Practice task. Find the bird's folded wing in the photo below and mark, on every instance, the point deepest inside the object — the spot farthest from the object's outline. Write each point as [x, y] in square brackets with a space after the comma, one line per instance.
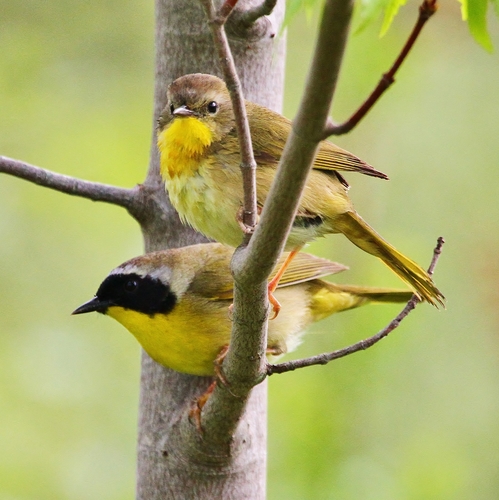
[330, 157]
[304, 267]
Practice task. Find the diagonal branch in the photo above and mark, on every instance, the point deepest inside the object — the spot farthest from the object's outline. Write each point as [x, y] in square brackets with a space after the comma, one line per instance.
[146, 203]
[323, 359]
[426, 10]
[65, 184]
[245, 364]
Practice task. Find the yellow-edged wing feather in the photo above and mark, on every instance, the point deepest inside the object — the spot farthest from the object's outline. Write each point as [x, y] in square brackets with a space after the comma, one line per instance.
[268, 148]
[306, 267]
[213, 284]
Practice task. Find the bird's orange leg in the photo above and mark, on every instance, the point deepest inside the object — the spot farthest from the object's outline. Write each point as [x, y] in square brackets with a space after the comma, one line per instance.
[276, 307]
[197, 407]
[218, 365]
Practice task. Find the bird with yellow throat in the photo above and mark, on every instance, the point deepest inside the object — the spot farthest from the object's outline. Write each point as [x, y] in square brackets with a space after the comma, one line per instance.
[199, 162]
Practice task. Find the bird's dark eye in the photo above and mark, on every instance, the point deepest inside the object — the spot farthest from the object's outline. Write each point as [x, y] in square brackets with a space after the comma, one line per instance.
[130, 286]
[212, 107]
[172, 108]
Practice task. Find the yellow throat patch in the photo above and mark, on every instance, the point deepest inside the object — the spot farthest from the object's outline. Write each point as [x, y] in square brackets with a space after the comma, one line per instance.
[181, 145]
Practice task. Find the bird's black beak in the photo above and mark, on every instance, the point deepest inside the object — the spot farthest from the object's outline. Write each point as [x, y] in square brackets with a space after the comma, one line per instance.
[183, 111]
[92, 305]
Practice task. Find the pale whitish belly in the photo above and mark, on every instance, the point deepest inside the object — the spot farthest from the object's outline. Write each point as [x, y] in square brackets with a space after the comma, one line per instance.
[210, 209]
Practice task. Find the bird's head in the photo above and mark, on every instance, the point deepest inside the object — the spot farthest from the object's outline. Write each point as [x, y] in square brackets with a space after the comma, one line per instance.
[199, 98]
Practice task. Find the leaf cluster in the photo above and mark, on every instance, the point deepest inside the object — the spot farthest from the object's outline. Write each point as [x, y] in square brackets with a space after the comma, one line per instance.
[474, 12]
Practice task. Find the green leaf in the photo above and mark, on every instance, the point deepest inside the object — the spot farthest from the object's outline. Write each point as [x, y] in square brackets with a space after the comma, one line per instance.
[367, 11]
[475, 12]
[391, 10]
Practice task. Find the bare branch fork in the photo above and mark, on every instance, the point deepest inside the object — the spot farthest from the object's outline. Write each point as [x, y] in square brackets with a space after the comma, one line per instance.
[426, 10]
[323, 359]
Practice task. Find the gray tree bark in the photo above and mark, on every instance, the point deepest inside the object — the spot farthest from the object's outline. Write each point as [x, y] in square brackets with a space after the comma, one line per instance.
[166, 468]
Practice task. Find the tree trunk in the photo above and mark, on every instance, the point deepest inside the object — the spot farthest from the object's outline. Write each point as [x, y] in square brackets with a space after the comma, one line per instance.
[184, 45]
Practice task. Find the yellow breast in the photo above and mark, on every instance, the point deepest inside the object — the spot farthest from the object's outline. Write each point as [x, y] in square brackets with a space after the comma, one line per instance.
[182, 145]
[190, 337]
[186, 340]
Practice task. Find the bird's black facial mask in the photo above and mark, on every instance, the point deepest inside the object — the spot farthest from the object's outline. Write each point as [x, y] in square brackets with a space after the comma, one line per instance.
[139, 293]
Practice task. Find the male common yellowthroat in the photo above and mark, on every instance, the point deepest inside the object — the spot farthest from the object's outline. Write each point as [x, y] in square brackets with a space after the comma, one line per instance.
[200, 166]
[175, 302]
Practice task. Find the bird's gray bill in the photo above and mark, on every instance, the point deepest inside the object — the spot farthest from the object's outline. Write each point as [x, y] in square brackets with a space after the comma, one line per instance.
[183, 111]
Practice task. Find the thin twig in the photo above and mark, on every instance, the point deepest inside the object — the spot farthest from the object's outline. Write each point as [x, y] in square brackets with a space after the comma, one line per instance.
[248, 163]
[325, 358]
[426, 10]
[65, 184]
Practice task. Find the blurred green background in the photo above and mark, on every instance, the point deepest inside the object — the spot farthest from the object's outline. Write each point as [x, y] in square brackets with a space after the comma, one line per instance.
[416, 417]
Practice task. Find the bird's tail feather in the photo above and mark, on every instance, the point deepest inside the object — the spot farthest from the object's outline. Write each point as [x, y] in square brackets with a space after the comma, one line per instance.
[364, 236]
[372, 294]
[329, 298]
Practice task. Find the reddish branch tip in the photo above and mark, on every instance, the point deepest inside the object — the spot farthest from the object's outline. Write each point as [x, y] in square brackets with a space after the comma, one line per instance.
[436, 254]
[428, 8]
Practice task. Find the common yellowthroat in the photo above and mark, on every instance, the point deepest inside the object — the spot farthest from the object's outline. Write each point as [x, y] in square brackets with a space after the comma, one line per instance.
[200, 160]
[175, 302]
